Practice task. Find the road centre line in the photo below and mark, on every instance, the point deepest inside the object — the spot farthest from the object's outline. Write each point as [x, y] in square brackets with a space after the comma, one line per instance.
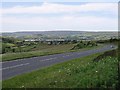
[25, 64]
[48, 59]
[15, 66]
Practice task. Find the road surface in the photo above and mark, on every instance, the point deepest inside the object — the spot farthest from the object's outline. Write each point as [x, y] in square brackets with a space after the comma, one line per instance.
[17, 67]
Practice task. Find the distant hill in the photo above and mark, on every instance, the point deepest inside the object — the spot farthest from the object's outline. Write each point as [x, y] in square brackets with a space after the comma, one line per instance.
[63, 34]
[52, 33]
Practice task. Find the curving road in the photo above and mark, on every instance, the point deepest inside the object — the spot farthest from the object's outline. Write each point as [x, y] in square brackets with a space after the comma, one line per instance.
[17, 67]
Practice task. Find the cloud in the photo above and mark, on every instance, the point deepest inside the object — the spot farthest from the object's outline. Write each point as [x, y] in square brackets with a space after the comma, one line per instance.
[65, 22]
[46, 8]
[72, 18]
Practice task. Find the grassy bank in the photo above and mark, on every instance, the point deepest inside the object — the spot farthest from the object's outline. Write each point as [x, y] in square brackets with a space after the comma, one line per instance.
[77, 73]
[40, 50]
[43, 51]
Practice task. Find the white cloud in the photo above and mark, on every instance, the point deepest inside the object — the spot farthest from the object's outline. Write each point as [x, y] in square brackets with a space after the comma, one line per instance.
[61, 8]
[67, 21]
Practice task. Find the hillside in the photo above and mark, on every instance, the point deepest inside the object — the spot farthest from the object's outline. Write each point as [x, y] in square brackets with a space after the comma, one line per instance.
[63, 34]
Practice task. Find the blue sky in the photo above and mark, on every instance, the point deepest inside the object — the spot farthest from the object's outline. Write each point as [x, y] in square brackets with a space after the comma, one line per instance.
[51, 15]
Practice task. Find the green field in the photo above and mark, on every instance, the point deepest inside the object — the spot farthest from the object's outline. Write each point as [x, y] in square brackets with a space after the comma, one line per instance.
[77, 73]
[42, 50]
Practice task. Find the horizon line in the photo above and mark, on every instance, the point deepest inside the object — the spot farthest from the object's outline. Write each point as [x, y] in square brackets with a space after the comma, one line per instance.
[58, 31]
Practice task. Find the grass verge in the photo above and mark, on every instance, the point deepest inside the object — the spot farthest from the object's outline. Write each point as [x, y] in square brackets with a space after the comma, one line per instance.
[53, 50]
[77, 73]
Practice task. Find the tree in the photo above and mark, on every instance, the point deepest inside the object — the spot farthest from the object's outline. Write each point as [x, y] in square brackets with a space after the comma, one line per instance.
[74, 41]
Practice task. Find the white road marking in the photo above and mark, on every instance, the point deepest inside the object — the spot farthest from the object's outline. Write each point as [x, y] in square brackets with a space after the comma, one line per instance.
[48, 59]
[26, 64]
[68, 54]
[15, 66]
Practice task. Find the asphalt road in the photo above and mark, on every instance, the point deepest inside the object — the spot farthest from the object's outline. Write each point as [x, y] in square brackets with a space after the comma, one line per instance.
[17, 67]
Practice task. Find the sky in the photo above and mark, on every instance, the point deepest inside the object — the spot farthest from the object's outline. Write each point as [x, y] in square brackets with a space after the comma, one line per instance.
[62, 16]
